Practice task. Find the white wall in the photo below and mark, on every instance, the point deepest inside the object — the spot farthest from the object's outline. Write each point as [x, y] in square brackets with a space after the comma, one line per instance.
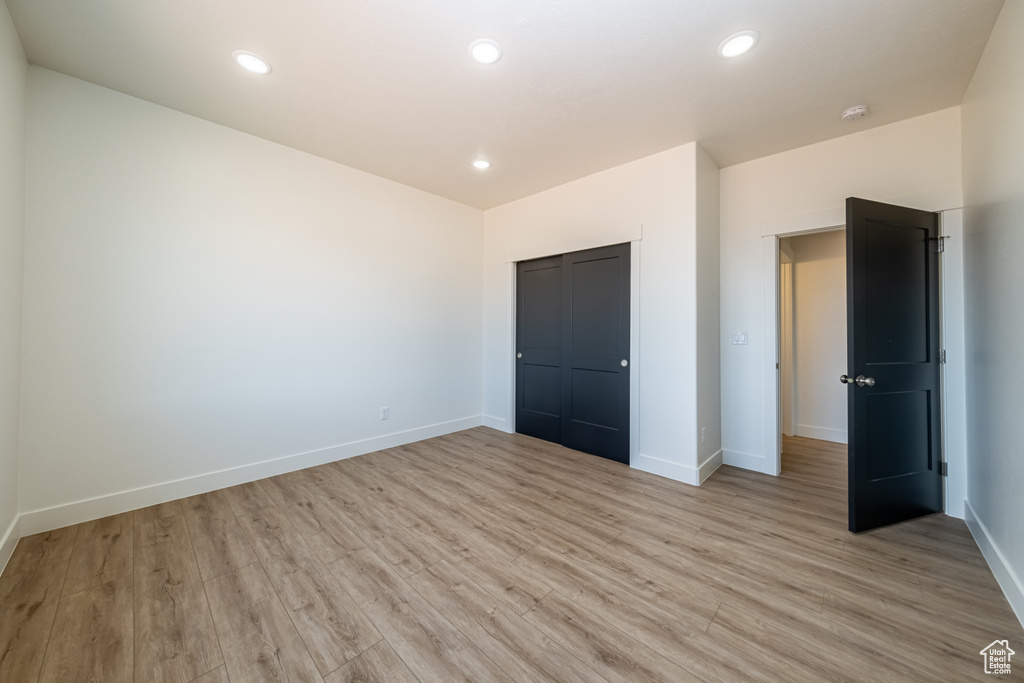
[819, 335]
[13, 67]
[914, 162]
[708, 291]
[199, 300]
[660, 193]
[993, 138]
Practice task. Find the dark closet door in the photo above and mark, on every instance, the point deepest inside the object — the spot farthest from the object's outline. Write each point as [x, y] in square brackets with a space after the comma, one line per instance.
[572, 362]
[539, 348]
[595, 344]
[893, 349]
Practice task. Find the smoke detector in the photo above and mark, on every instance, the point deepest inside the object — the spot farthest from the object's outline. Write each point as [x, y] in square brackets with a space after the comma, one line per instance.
[854, 113]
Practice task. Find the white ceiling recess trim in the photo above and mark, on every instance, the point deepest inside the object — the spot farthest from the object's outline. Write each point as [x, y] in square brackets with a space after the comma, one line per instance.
[589, 240]
[47, 519]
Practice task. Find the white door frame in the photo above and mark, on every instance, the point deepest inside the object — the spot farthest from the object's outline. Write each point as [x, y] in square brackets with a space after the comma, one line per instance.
[787, 369]
[954, 391]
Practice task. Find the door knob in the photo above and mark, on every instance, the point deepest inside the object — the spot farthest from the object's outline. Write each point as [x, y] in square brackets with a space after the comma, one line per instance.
[623, 362]
[863, 381]
[843, 379]
[519, 355]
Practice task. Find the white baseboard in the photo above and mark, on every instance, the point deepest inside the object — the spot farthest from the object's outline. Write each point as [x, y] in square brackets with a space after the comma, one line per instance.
[673, 470]
[1008, 580]
[821, 433]
[708, 467]
[8, 541]
[953, 510]
[499, 423]
[664, 468]
[746, 461]
[46, 519]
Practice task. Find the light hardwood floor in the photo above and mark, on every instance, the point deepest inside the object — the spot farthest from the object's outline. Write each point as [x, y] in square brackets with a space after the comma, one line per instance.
[482, 556]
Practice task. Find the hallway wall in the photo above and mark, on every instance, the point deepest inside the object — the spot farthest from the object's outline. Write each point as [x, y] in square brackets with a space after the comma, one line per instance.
[819, 335]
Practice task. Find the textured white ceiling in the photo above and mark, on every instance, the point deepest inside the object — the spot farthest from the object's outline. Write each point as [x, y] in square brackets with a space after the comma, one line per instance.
[387, 86]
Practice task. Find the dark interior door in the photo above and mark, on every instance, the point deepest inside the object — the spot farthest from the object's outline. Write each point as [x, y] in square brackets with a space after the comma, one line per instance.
[893, 361]
[572, 352]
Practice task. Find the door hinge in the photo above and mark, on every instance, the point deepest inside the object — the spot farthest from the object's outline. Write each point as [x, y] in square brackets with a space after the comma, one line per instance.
[942, 355]
[940, 243]
[942, 468]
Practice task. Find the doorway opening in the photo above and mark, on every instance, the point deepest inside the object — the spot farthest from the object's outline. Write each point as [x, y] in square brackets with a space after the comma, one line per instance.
[895, 357]
[951, 314]
[812, 354]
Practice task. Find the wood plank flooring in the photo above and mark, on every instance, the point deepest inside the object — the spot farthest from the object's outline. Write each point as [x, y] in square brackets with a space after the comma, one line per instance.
[483, 556]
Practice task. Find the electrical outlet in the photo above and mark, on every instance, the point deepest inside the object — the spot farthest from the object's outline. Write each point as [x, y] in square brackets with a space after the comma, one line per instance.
[384, 412]
[703, 433]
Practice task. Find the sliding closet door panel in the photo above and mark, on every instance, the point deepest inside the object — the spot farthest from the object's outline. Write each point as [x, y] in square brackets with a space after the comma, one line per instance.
[595, 365]
[539, 348]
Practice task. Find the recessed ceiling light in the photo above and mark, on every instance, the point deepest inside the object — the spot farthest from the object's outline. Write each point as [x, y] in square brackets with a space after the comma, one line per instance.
[737, 44]
[485, 51]
[251, 62]
[481, 164]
